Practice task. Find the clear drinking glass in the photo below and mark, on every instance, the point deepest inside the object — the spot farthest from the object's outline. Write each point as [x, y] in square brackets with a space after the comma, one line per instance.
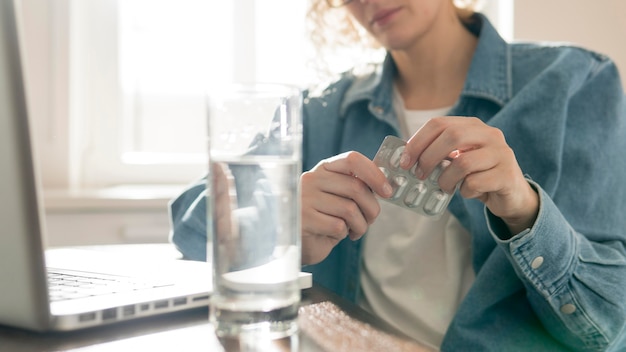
[253, 206]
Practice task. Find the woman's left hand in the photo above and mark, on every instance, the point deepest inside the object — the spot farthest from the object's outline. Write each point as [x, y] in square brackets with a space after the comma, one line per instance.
[481, 162]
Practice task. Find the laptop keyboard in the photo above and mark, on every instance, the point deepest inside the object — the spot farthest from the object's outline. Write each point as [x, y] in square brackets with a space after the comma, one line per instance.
[64, 285]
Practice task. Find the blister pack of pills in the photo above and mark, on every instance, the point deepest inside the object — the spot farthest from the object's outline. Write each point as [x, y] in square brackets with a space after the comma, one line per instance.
[422, 196]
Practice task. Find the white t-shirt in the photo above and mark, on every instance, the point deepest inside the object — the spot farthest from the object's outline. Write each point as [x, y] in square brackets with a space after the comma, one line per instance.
[415, 270]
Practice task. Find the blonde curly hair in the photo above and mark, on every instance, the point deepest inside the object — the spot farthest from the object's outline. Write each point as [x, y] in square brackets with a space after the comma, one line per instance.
[331, 30]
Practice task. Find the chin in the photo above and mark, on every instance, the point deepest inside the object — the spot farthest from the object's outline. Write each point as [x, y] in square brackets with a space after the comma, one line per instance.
[395, 42]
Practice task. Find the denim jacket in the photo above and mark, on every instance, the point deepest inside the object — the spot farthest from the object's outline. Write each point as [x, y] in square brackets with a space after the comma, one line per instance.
[560, 285]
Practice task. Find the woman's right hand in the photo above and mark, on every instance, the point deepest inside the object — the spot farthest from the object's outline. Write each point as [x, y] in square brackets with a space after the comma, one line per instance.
[338, 201]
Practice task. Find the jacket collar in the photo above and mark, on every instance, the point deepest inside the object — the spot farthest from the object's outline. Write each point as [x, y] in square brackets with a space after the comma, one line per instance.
[489, 75]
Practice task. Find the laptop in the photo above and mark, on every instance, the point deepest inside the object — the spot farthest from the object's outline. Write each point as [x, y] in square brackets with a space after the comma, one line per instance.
[42, 289]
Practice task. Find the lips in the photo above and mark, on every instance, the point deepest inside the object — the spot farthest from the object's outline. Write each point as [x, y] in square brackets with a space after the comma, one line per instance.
[382, 17]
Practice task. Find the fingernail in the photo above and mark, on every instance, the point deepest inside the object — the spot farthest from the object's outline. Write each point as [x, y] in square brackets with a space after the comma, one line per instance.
[419, 173]
[404, 160]
[387, 190]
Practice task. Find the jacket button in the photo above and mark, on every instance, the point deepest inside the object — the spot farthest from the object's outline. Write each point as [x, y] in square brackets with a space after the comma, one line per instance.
[568, 308]
[536, 263]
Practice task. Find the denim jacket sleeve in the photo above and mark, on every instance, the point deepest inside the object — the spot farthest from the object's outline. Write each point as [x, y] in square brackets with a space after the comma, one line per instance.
[188, 221]
[189, 218]
[572, 261]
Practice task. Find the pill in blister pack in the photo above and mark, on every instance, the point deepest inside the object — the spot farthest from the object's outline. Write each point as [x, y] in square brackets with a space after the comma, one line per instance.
[422, 196]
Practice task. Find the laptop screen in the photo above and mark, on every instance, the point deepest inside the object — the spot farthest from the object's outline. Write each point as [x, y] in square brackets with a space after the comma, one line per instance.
[22, 276]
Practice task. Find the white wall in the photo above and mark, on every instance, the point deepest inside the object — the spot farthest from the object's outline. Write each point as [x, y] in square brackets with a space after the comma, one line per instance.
[598, 25]
[45, 48]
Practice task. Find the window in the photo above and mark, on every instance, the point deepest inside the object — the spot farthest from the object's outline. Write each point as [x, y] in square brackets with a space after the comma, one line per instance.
[140, 69]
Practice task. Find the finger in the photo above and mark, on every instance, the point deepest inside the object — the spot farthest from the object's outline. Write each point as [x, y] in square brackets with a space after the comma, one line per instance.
[416, 145]
[358, 165]
[316, 247]
[499, 181]
[222, 212]
[347, 187]
[464, 164]
[320, 224]
[346, 209]
[357, 192]
[459, 135]
[353, 213]
[479, 185]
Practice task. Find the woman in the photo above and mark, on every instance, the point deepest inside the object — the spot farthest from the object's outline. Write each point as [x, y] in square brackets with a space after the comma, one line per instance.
[531, 252]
